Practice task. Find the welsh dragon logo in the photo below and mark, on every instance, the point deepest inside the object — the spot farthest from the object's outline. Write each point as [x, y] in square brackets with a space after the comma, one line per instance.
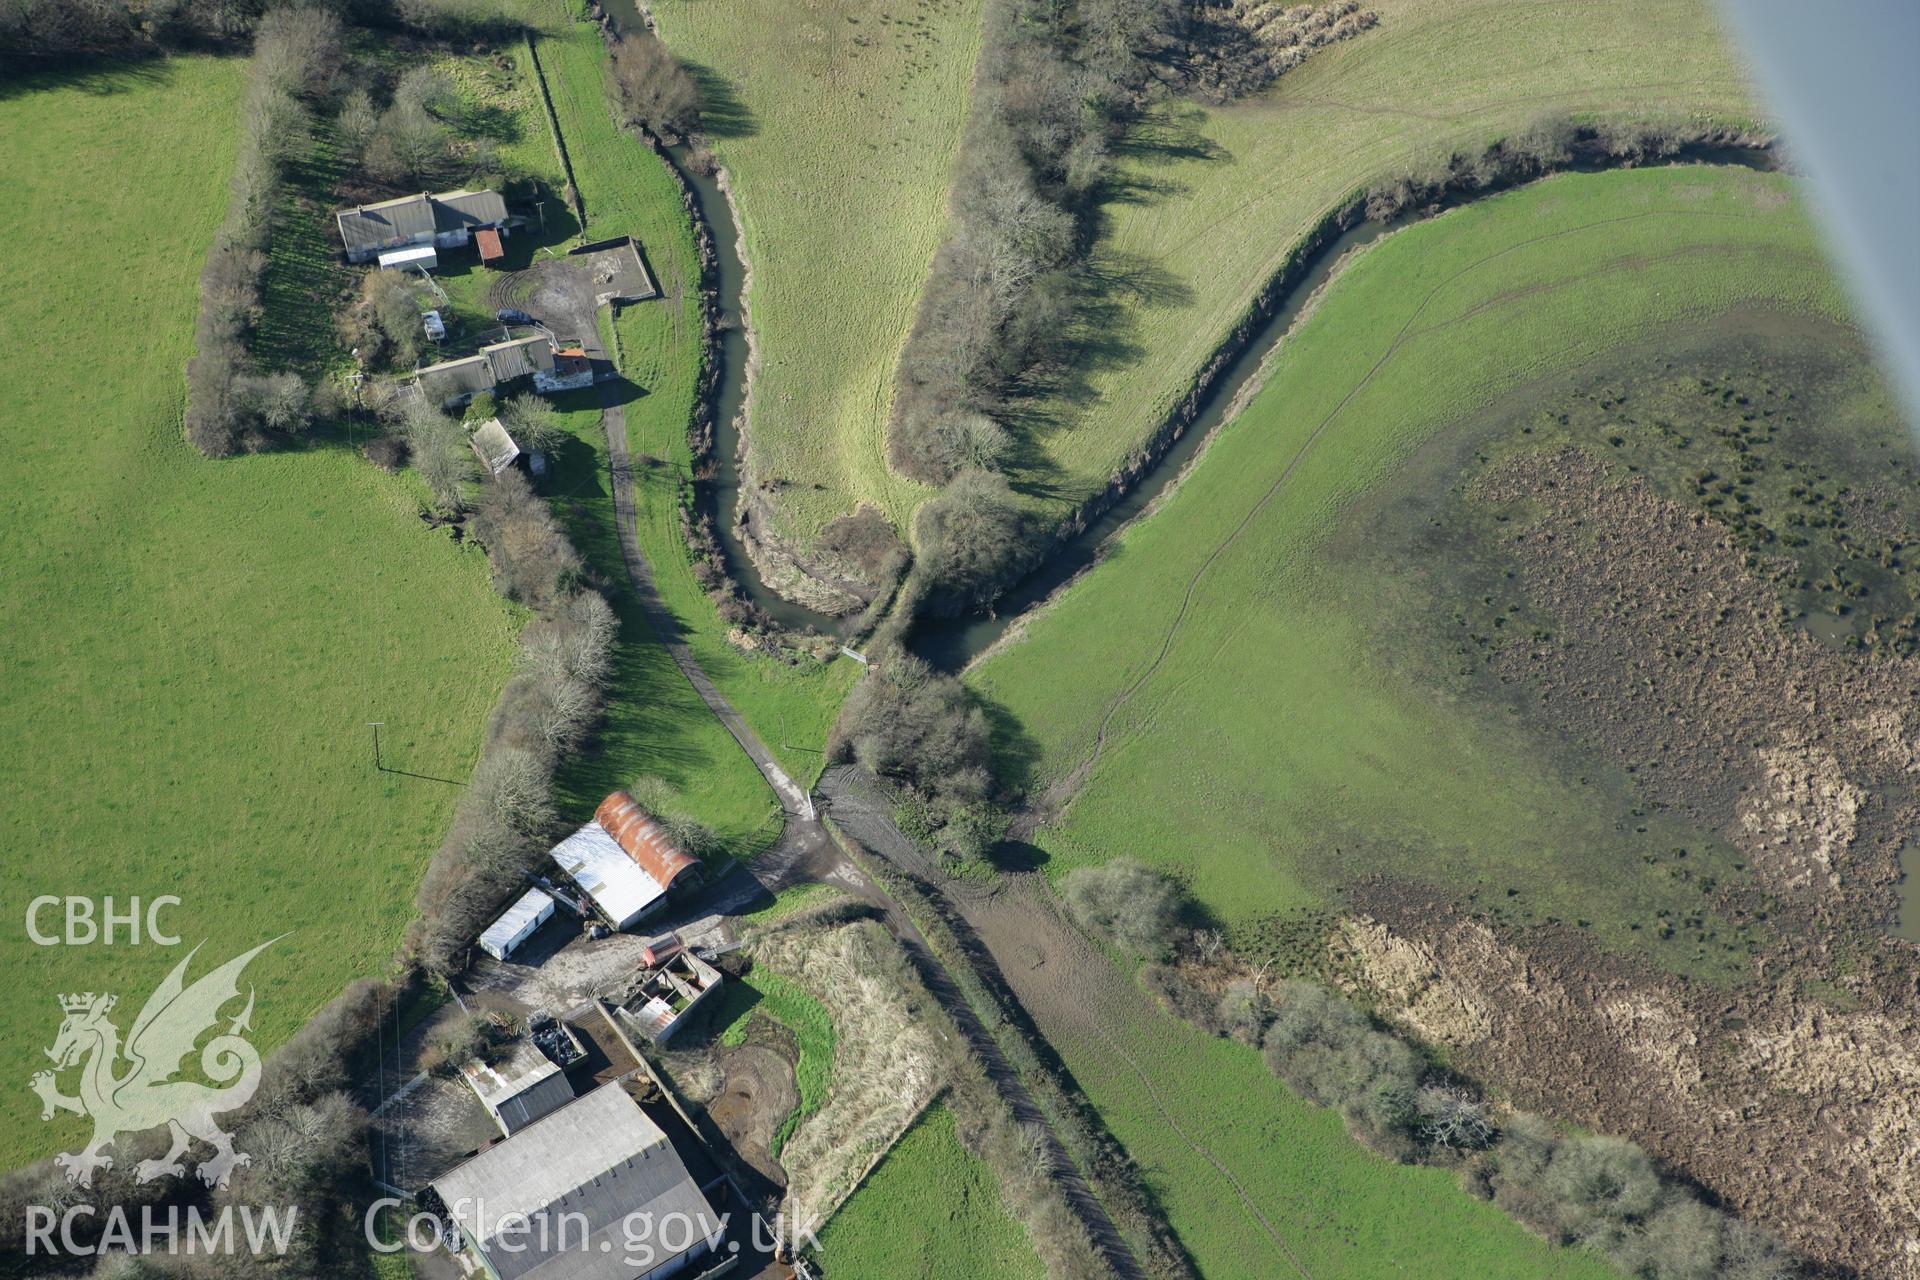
[130, 1088]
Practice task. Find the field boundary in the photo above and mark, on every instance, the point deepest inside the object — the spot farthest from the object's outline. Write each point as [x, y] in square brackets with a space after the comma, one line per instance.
[573, 195]
[1016, 1040]
[1720, 144]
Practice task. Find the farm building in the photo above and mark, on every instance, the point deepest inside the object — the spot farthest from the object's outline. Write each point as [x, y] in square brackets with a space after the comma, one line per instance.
[521, 1089]
[487, 241]
[587, 1173]
[647, 843]
[497, 451]
[504, 936]
[454, 382]
[626, 861]
[618, 887]
[419, 258]
[447, 220]
[671, 994]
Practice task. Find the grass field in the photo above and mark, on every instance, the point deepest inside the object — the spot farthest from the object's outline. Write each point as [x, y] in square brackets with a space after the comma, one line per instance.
[193, 648]
[769, 995]
[1217, 199]
[838, 126]
[1198, 1103]
[626, 188]
[929, 1211]
[655, 726]
[1227, 687]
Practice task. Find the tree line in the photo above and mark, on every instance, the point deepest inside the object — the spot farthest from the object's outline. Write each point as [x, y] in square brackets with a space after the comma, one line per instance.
[67, 33]
[1587, 1190]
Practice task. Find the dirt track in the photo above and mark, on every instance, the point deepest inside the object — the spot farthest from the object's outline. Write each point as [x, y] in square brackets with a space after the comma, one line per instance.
[1068, 988]
[805, 850]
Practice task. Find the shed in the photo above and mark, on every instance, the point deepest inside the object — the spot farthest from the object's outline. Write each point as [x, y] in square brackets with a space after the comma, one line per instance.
[420, 257]
[672, 993]
[487, 240]
[647, 842]
[613, 880]
[496, 448]
[519, 1090]
[504, 936]
[562, 1198]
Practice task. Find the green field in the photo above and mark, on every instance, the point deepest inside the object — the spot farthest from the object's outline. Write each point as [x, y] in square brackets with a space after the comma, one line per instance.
[656, 726]
[1184, 1105]
[928, 1211]
[1262, 739]
[627, 189]
[192, 649]
[838, 126]
[1220, 197]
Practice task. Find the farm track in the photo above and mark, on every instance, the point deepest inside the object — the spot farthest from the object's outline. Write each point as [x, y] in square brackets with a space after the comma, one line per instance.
[805, 850]
[1058, 978]
[1058, 796]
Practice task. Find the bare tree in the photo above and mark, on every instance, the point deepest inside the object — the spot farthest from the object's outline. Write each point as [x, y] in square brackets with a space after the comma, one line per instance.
[654, 89]
[354, 124]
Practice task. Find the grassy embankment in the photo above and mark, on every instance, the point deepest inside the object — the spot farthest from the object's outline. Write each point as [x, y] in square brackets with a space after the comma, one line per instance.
[1258, 747]
[627, 189]
[1344, 765]
[194, 648]
[838, 129]
[929, 1211]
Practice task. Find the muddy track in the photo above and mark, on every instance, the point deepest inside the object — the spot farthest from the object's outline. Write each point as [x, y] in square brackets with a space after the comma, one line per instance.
[1020, 943]
[1062, 792]
[806, 850]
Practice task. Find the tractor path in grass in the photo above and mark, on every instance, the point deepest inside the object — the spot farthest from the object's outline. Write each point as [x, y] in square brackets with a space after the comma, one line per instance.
[805, 850]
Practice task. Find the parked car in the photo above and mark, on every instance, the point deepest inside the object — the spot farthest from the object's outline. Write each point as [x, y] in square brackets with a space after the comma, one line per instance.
[512, 316]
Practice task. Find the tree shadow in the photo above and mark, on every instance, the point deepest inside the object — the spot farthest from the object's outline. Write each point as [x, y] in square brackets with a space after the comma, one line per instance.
[99, 79]
[1170, 134]
[1112, 291]
[488, 121]
[722, 112]
[1016, 753]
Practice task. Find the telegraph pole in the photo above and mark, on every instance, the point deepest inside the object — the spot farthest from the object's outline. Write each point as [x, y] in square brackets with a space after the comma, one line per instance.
[375, 726]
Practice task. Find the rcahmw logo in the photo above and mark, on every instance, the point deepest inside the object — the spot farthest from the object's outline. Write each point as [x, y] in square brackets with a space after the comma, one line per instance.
[128, 1087]
[157, 1229]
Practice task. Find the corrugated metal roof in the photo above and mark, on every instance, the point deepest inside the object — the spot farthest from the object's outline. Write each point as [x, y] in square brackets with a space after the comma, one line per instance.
[645, 840]
[521, 1089]
[519, 357]
[468, 376]
[531, 908]
[489, 242]
[610, 877]
[497, 451]
[412, 256]
[600, 1158]
[370, 226]
[456, 209]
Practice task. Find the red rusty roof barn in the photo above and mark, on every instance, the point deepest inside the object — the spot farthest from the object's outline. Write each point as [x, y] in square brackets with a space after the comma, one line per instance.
[488, 241]
[646, 841]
